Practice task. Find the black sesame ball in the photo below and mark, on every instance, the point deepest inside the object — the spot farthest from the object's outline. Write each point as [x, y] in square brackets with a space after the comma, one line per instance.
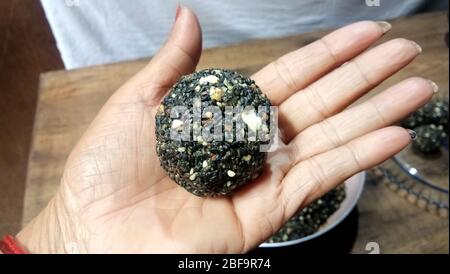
[439, 115]
[435, 113]
[414, 120]
[212, 167]
[429, 138]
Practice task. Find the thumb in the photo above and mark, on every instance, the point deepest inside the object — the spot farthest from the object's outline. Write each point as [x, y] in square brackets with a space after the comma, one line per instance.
[178, 56]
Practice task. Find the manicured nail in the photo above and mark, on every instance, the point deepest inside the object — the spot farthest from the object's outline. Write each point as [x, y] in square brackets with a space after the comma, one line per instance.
[177, 13]
[434, 86]
[419, 48]
[412, 134]
[385, 26]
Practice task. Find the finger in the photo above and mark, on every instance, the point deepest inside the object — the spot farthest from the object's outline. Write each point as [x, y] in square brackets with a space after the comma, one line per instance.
[177, 57]
[377, 112]
[297, 69]
[312, 178]
[343, 86]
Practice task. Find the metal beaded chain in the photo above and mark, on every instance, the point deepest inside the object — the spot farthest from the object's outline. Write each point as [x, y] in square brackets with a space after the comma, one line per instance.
[423, 196]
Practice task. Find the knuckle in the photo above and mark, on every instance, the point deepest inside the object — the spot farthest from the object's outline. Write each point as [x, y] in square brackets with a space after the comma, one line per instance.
[354, 153]
[285, 73]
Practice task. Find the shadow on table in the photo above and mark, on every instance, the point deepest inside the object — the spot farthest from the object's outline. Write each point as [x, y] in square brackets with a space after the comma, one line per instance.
[338, 240]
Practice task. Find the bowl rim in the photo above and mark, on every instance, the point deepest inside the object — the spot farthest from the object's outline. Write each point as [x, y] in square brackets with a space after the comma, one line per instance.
[361, 178]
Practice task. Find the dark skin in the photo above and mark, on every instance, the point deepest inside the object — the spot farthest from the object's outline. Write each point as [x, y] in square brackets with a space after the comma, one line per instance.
[115, 198]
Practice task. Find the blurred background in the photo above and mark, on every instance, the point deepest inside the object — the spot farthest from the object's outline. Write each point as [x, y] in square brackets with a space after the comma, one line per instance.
[48, 35]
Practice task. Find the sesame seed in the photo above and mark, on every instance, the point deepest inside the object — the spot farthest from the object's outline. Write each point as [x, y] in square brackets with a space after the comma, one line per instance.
[208, 79]
[247, 158]
[193, 176]
[176, 124]
[231, 173]
[251, 119]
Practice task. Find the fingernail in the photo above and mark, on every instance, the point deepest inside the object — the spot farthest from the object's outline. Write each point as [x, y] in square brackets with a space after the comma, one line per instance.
[412, 134]
[177, 13]
[385, 26]
[434, 86]
[419, 48]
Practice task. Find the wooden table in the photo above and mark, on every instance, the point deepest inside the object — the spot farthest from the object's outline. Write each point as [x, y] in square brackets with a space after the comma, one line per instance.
[68, 101]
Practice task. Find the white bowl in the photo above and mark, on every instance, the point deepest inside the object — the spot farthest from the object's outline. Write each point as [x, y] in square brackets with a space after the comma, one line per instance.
[353, 189]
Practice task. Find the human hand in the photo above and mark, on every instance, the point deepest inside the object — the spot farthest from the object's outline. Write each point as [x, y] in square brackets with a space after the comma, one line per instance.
[115, 198]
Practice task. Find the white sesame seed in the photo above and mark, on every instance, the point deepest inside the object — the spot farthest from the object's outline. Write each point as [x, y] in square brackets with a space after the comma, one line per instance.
[176, 124]
[251, 119]
[193, 176]
[231, 173]
[208, 79]
[247, 158]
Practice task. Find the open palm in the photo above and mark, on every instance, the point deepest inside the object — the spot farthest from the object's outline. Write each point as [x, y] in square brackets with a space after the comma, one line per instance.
[115, 197]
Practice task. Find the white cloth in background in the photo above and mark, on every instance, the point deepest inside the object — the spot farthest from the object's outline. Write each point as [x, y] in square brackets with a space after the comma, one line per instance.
[103, 31]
